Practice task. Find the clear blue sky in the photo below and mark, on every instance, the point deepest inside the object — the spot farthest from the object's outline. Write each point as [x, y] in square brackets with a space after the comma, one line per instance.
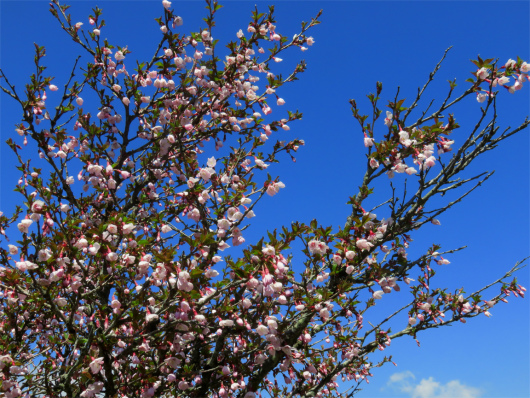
[357, 44]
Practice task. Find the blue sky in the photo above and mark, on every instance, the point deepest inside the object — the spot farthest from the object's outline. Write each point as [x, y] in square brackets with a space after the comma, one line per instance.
[357, 44]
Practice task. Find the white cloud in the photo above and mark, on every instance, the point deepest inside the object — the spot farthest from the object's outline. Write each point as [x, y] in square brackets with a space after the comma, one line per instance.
[397, 377]
[430, 388]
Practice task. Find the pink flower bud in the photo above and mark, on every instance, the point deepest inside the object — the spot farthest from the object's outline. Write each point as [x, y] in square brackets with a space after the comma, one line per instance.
[368, 141]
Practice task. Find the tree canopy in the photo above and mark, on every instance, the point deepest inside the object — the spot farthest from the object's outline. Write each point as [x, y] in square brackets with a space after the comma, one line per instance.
[127, 270]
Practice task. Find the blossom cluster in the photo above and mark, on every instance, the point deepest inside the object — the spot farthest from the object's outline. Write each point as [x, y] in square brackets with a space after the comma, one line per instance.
[122, 282]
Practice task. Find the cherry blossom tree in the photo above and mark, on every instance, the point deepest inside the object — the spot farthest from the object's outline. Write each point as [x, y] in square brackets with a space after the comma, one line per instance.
[121, 282]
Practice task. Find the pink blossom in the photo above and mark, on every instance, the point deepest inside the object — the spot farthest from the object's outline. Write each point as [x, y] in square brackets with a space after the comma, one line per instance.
[252, 283]
[119, 56]
[37, 206]
[429, 162]
[178, 21]
[182, 384]
[317, 247]
[268, 250]
[516, 87]
[226, 323]
[200, 318]
[350, 254]
[363, 244]
[151, 317]
[503, 80]
[22, 265]
[96, 364]
[410, 170]
[482, 73]
[211, 273]
[128, 228]
[378, 294]
[183, 281]
[324, 314]
[246, 303]
[61, 301]
[368, 141]
[56, 275]
[112, 257]
[404, 138]
[13, 249]
[388, 118]
[195, 215]
[115, 304]
[266, 110]
[400, 167]
[481, 97]
[223, 246]
[173, 362]
[262, 329]
[24, 225]
[53, 87]
[211, 162]
[274, 188]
